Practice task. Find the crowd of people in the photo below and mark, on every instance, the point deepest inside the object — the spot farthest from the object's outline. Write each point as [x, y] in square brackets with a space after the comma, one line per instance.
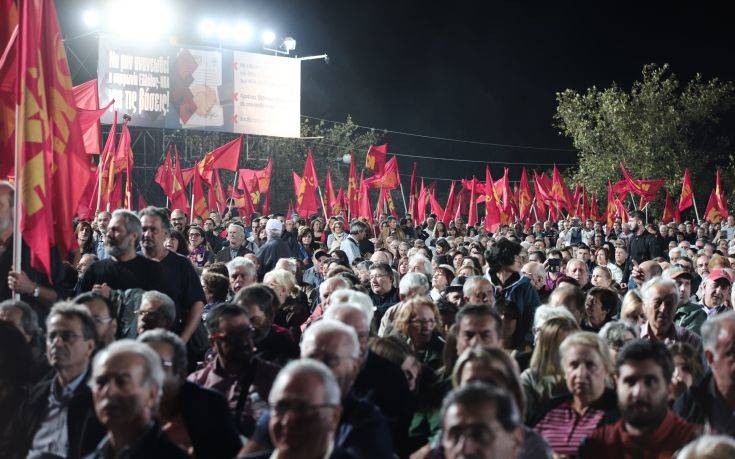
[282, 337]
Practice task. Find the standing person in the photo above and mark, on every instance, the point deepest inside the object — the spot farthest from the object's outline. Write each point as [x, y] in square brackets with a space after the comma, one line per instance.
[643, 244]
[127, 380]
[181, 281]
[124, 269]
[237, 248]
[273, 250]
[351, 244]
[647, 428]
[337, 235]
[102, 220]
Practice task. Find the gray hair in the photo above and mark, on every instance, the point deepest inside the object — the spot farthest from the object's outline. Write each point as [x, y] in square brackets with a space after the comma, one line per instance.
[152, 211]
[655, 283]
[428, 269]
[546, 311]
[711, 328]
[167, 304]
[472, 283]
[153, 371]
[341, 282]
[617, 333]
[242, 262]
[28, 317]
[353, 298]
[332, 326]
[413, 283]
[334, 311]
[677, 250]
[160, 335]
[289, 264]
[476, 394]
[358, 227]
[709, 447]
[332, 394]
[132, 222]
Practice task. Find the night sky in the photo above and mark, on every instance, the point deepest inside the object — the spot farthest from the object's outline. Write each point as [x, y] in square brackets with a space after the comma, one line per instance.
[485, 71]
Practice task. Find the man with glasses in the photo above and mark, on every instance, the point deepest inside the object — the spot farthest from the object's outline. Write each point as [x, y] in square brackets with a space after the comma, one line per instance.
[362, 431]
[57, 419]
[382, 291]
[102, 312]
[235, 372]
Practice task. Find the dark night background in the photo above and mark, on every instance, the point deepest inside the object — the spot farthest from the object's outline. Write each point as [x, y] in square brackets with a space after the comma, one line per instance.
[485, 71]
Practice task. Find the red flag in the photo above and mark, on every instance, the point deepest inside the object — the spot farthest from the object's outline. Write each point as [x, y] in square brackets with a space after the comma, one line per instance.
[542, 197]
[216, 194]
[671, 213]
[472, 217]
[53, 170]
[332, 204]
[310, 171]
[165, 174]
[720, 196]
[265, 210]
[87, 101]
[492, 212]
[712, 213]
[646, 189]
[222, 157]
[353, 198]
[524, 196]
[244, 203]
[258, 181]
[8, 84]
[365, 210]
[594, 212]
[412, 197]
[686, 199]
[389, 179]
[451, 205]
[124, 159]
[375, 158]
[559, 191]
[458, 213]
[106, 171]
[306, 202]
[421, 204]
[339, 205]
[389, 203]
[611, 208]
[199, 203]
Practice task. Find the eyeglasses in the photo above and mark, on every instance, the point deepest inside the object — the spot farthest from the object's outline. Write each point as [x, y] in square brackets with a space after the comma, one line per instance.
[377, 276]
[297, 407]
[66, 336]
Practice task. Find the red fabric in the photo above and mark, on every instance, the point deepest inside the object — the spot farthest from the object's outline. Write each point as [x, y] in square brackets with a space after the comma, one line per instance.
[645, 188]
[333, 207]
[353, 198]
[222, 157]
[671, 213]
[686, 199]
[542, 197]
[101, 194]
[421, 204]
[594, 212]
[450, 207]
[713, 213]
[492, 212]
[258, 181]
[365, 209]
[375, 158]
[524, 196]
[472, 213]
[412, 196]
[244, 203]
[310, 171]
[8, 84]
[720, 196]
[611, 209]
[124, 160]
[53, 170]
[389, 179]
[88, 104]
[199, 202]
[216, 193]
[436, 208]
[612, 441]
[306, 201]
[559, 191]
[165, 174]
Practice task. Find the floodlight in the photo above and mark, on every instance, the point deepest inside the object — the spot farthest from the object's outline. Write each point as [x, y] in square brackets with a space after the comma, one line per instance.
[243, 32]
[91, 18]
[207, 28]
[347, 158]
[224, 32]
[289, 44]
[125, 19]
[268, 37]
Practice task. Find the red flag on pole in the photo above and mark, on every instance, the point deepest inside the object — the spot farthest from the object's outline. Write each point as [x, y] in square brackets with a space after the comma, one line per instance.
[720, 196]
[646, 189]
[451, 205]
[353, 198]
[524, 196]
[216, 194]
[199, 202]
[87, 101]
[686, 199]
[124, 159]
[611, 208]
[594, 212]
[106, 171]
[310, 171]
[712, 213]
[8, 84]
[332, 204]
[165, 174]
[365, 209]
[375, 158]
[412, 197]
[222, 157]
[671, 213]
[389, 179]
[560, 192]
[52, 169]
[436, 208]
[492, 212]
[472, 214]
[421, 204]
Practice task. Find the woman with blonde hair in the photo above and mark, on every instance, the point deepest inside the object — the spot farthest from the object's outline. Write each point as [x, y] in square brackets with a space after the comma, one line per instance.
[418, 322]
[544, 378]
[566, 421]
[631, 311]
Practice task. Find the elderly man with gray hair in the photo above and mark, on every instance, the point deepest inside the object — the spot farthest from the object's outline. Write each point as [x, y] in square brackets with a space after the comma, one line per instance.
[243, 273]
[711, 401]
[660, 298]
[413, 284]
[351, 244]
[274, 249]
[127, 382]
[124, 269]
[157, 310]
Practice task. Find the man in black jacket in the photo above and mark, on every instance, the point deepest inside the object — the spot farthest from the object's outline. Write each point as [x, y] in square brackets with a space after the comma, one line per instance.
[127, 380]
[58, 418]
[203, 414]
[643, 244]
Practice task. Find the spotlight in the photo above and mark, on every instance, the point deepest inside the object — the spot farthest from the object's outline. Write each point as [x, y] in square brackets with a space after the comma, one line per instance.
[91, 18]
[243, 32]
[224, 32]
[289, 44]
[268, 37]
[347, 158]
[207, 28]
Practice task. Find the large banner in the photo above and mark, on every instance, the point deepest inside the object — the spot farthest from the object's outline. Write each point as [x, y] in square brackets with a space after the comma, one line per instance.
[199, 88]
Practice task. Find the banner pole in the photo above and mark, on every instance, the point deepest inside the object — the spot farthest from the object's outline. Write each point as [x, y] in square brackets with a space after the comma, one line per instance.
[403, 196]
[17, 237]
[696, 212]
[324, 208]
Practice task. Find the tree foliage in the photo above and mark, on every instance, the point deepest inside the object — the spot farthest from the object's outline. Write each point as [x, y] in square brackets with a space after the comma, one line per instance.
[658, 129]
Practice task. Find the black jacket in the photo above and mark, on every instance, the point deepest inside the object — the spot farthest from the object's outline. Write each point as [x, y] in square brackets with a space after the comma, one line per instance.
[644, 247]
[702, 404]
[83, 428]
[382, 303]
[153, 444]
[224, 255]
[209, 423]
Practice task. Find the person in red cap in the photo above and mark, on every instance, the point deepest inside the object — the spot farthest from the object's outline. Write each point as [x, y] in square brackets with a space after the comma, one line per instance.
[716, 292]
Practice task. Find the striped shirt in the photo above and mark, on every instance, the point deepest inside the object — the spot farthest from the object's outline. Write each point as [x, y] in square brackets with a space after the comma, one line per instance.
[565, 429]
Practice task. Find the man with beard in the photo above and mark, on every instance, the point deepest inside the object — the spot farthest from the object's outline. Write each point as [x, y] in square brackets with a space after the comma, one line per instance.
[643, 244]
[181, 282]
[273, 342]
[235, 372]
[196, 419]
[127, 380]
[648, 428]
[57, 418]
[660, 297]
[178, 221]
[711, 401]
[124, 269]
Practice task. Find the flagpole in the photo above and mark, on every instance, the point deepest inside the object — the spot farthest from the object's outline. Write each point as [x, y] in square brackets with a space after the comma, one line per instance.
[324, 208]
[403, 196]
[17, 237]
[533, 206]
[696, 212]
